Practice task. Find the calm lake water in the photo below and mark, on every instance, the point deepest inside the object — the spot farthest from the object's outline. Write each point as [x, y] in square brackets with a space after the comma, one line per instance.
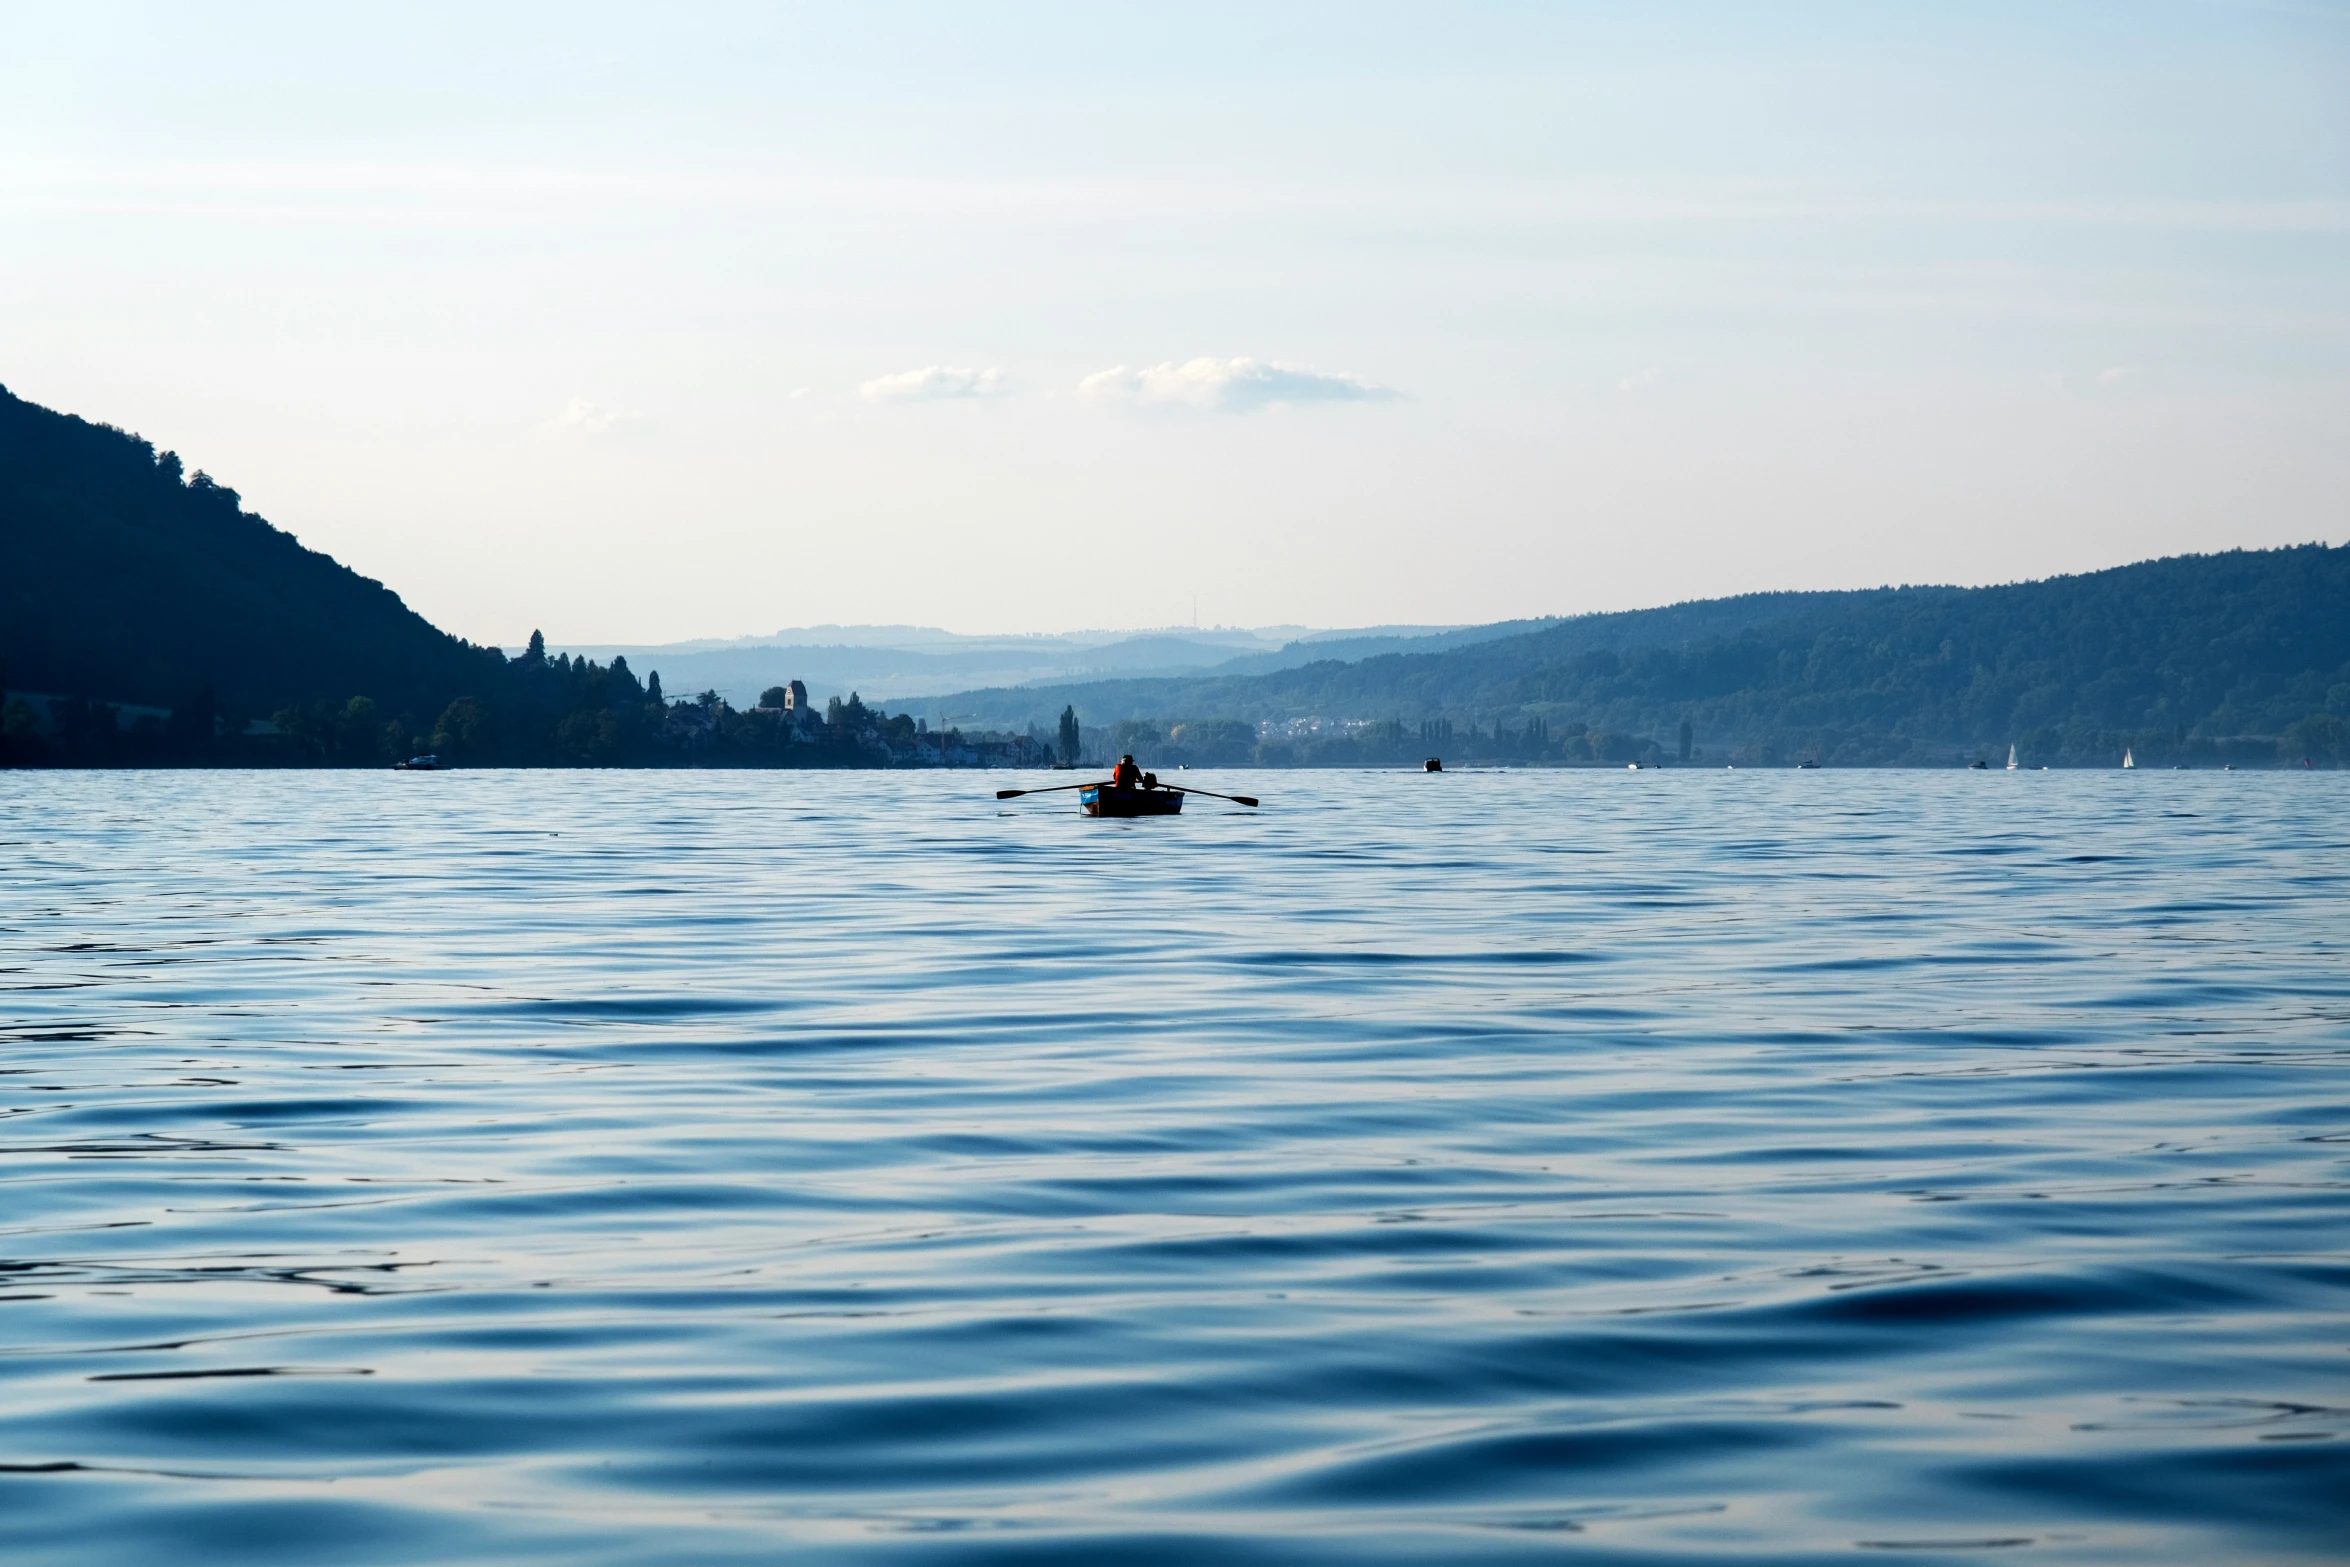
[1591, 1166]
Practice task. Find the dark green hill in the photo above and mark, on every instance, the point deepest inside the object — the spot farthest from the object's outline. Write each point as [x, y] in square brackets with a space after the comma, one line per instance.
[155, 618]
[2244, 655]
[122, 582]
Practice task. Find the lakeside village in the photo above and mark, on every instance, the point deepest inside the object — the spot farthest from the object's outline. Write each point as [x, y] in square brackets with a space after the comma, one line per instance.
[783, 729]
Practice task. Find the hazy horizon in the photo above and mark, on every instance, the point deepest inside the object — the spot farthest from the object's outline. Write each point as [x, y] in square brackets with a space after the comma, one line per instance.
[642, 329]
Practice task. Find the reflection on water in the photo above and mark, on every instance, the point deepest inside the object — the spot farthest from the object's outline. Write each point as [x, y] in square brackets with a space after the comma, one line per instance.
[659, 1168]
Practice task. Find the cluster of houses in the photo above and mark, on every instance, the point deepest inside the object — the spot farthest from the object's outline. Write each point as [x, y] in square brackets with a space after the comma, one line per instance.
[871, 736]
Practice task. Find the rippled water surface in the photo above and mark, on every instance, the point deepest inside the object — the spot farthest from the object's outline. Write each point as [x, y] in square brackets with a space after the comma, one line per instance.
[1644, 1167]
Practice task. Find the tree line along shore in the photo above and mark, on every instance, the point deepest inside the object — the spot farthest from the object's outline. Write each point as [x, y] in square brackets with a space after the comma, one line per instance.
[537, 712]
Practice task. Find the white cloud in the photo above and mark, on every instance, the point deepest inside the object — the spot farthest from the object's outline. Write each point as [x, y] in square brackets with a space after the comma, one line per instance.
[932, 383]
[1227, 384]
[590, 421]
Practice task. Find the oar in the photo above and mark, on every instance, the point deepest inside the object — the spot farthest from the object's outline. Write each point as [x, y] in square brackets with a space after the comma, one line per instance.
[1236, 799]
[1014, 794]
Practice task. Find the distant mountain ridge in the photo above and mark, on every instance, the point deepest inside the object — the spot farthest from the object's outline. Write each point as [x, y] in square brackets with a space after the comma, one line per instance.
[902, 662]
[934, 638]
[738, 672]
[2176, 658]
[1227, 689]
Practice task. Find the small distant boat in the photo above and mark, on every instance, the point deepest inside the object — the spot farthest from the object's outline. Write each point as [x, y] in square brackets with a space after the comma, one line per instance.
[2127, 759]
[1979, 765]
[2011, 758]
[1102, 800]
[1812, 765]
[421, 764]
[1434, 764]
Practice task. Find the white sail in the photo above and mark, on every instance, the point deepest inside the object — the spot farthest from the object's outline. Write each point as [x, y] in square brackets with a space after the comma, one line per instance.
[2127, 759]
[2011, 758]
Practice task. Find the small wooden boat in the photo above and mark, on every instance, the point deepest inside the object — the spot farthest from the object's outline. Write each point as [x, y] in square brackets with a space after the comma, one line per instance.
[1104, 800]
[421, 764]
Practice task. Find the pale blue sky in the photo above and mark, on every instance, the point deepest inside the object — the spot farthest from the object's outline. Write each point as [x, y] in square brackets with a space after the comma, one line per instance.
[641, 324]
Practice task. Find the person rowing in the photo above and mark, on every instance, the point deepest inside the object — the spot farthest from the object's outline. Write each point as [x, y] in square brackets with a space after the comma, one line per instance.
[1126, 775]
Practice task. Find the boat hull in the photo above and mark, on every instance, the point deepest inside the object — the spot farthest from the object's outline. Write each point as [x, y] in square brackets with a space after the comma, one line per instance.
[1100, 801]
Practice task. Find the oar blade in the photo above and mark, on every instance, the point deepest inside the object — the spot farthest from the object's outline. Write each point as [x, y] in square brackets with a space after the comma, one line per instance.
[1245, 799]
[1009, 794]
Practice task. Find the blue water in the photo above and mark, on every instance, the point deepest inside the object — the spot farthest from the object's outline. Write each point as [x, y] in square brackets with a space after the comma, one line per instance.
[1591, 1166]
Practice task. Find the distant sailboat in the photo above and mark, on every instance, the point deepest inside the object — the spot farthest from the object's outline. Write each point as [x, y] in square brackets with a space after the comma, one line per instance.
[2127, 760]
[2011, 758]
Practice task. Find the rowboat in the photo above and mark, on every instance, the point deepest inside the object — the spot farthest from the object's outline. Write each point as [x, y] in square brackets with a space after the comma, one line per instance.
[1152, 799]
[1103, 800]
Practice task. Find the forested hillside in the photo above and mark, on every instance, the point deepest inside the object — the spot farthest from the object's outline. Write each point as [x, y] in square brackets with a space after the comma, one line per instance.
[122, 579]
[2243, 656]
[125, 585]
